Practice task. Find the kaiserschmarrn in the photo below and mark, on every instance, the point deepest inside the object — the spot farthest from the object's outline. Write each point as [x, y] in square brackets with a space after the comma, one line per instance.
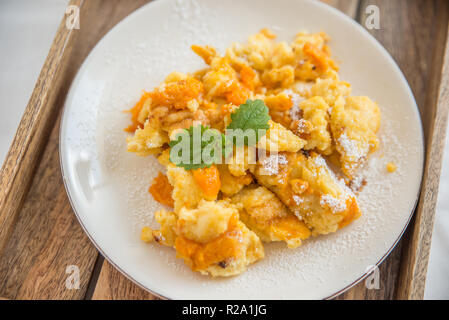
[317, 136]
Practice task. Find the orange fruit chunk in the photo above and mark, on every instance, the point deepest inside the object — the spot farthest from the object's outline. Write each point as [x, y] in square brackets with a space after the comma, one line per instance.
[162, 190]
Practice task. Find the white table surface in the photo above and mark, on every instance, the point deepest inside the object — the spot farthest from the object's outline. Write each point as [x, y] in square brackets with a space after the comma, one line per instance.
[27, 28]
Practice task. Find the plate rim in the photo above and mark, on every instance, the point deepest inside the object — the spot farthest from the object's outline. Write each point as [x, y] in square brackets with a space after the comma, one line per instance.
[323, 6]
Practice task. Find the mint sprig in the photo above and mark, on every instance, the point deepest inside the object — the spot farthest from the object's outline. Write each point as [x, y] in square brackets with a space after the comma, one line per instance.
[198, 147]
[252, 115]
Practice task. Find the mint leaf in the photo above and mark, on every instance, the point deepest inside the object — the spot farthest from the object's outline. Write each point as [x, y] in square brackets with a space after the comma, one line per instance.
[252, 115]
[200, 147]
[197, 147]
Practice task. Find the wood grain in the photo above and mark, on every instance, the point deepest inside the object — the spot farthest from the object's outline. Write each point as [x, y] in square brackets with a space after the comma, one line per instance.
[49, 238]
[26, 149]
[42, 236]
[416, 254]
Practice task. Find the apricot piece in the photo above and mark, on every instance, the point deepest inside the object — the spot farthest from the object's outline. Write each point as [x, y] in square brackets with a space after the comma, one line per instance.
[162, 190]
[135, 124]
[319, 57]
[208, 179]
[247, 76]
[200, 256]
[391, 167]
[237, 94]
[352, 213]
[177, 94]
[205, 52]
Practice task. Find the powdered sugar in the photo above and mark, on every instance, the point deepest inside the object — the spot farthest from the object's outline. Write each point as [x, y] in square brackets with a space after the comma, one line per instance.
[336, 205]
[270, 164]
[351, 148]
[358, 182]
[298, 200]
[295, 110]
[320, 162]
[301, 126]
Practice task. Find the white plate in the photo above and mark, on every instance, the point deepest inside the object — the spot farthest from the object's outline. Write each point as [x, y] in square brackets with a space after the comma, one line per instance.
[108, 186]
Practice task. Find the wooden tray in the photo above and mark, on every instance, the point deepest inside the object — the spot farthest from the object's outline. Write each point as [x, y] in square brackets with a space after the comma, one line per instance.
[40, 236]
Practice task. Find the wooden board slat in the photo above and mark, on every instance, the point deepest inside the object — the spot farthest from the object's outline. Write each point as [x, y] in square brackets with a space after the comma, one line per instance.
[415, 258]
[26, 149]
[47, 237]
[46, 240]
